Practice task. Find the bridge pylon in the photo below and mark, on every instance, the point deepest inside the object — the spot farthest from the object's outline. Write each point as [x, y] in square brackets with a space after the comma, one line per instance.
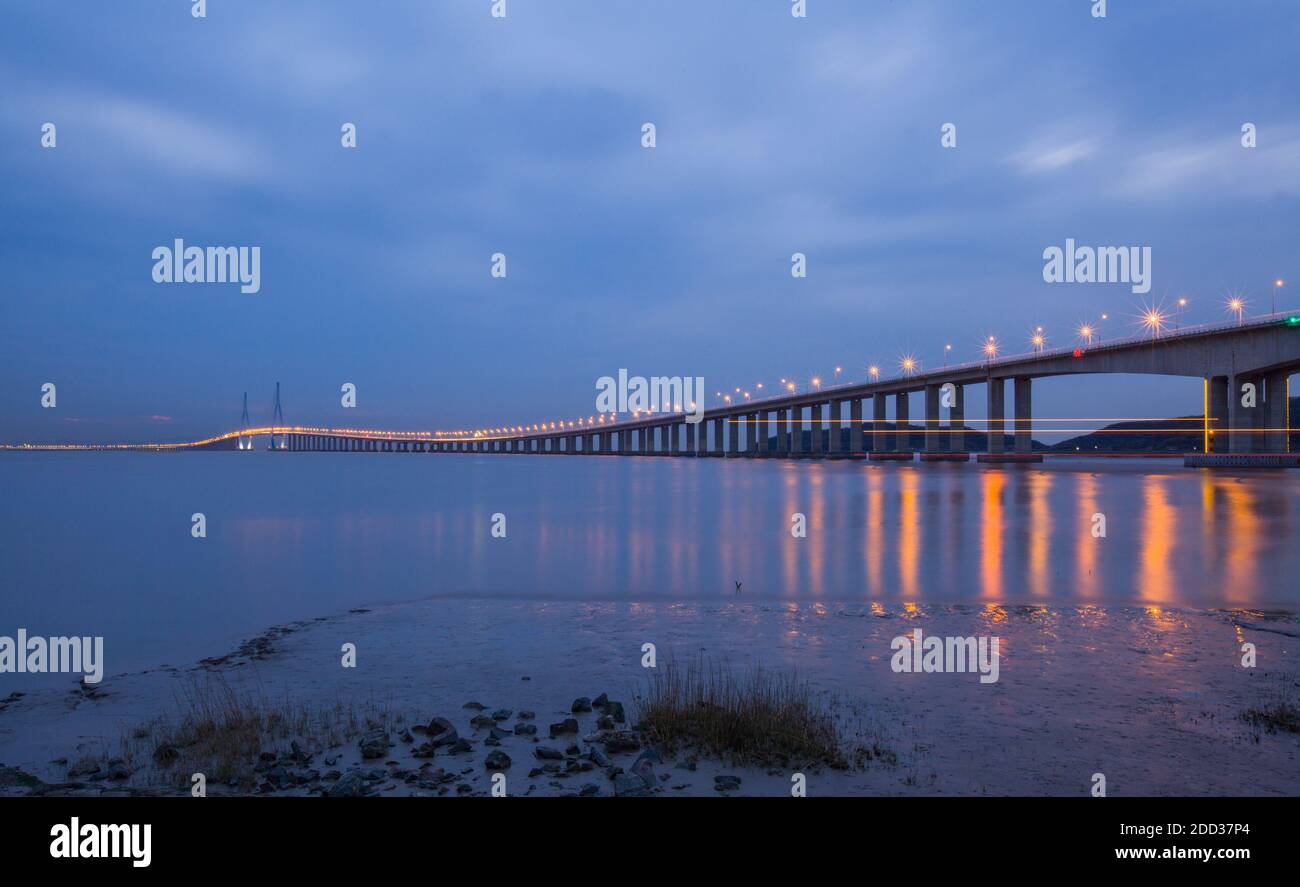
[277, 421]
[245, 441]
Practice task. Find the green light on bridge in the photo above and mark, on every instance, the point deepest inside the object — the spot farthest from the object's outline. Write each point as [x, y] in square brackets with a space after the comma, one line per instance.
[1293, 321]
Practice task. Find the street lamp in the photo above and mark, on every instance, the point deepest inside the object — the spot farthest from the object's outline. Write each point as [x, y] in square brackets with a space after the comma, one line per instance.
[1277, 285]
[946, 349]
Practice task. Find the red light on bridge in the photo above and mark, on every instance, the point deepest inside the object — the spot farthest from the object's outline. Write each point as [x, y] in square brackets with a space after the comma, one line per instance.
[1078, 352]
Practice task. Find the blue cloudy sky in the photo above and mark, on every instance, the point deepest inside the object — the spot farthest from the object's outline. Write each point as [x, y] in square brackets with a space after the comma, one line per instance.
[522, 135]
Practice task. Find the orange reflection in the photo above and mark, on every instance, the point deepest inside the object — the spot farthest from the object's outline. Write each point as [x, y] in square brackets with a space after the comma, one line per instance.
[1087, 545]
[1159, 530]
[991, 534]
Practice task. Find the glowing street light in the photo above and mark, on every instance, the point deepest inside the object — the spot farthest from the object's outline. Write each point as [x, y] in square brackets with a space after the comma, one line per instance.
[1277, 285]
[1154, 320]
[1237, 306]
[1085, 333]
[946, 350]
[907, 364]
[1038, 340]
[991, 348]
[874, 372]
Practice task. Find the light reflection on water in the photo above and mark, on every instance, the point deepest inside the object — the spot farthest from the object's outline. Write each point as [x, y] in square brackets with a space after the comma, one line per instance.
[99, 543]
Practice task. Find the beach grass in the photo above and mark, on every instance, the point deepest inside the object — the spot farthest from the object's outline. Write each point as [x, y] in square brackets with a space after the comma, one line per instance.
[756, 716]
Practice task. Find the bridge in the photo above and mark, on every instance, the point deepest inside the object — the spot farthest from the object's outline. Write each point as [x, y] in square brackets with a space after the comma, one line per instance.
[1244, 366]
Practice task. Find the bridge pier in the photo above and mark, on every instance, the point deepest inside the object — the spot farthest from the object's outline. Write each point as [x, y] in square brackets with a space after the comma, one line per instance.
[902, 418]
[733, 436]
[956, 419]
[818, 446]
[879, 436]
[1241, 418]
[796, 431]
[836, 442]
[1277, 418]
[782, 429]
[855, 426]
[719, 446]
[1024, 415]
[933, 439]
[997, 410]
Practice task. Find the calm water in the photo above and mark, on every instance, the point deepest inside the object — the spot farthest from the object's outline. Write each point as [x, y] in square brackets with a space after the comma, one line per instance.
[99, 543]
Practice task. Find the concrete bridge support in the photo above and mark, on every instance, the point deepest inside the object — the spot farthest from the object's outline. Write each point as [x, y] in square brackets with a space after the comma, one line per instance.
[719, 447]
[956, 419]
[796, 431]
[902, 437]
[782, 432]
[879, 437]
[833, 431]
[933, 439]
[816, 444]
[997, 411]
[1241, 418]
[1276, 412]
[733, 436]
[1024, 415]
[760, 432]
[690, 437]
[855, 426]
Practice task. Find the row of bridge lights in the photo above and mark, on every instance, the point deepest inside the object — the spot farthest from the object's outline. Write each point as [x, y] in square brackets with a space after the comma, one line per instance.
[1153, 319]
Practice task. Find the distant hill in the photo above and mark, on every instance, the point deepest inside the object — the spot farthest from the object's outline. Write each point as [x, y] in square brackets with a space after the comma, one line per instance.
[1179, 435]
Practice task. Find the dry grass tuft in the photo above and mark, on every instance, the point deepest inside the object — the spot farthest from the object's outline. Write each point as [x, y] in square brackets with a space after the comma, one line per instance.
[760, 717]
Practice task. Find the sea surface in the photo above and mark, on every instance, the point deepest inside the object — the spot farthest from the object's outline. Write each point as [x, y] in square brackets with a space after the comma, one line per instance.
[101, 543]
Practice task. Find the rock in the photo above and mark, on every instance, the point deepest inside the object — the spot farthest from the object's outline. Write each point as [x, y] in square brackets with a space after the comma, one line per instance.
[460, 747]
[598, 757]
[497, 760]
[406, 736]
[600, 701]
[501, 714]
[573, 750]
[498, 734]
[525, 729]
[568, 725]
[605, 722]
[477, 706]
[350, 785]
[623, 741]
[374, 745]
[628, 786]
[581, 704]
[726, 783]
[441, 732]
[615, 711]
[644, 767]
[589, 790]
[480, 722]
[166, 754]
[546, 753]
[527, 715]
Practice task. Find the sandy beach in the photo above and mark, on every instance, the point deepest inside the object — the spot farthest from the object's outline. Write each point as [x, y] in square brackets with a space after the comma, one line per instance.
[1154, 699]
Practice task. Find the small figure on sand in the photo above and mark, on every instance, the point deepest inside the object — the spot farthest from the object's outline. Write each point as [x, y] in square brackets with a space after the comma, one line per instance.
[737, 586]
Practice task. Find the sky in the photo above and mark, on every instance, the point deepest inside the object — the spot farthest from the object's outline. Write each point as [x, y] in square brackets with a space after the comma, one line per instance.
[523, 135]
